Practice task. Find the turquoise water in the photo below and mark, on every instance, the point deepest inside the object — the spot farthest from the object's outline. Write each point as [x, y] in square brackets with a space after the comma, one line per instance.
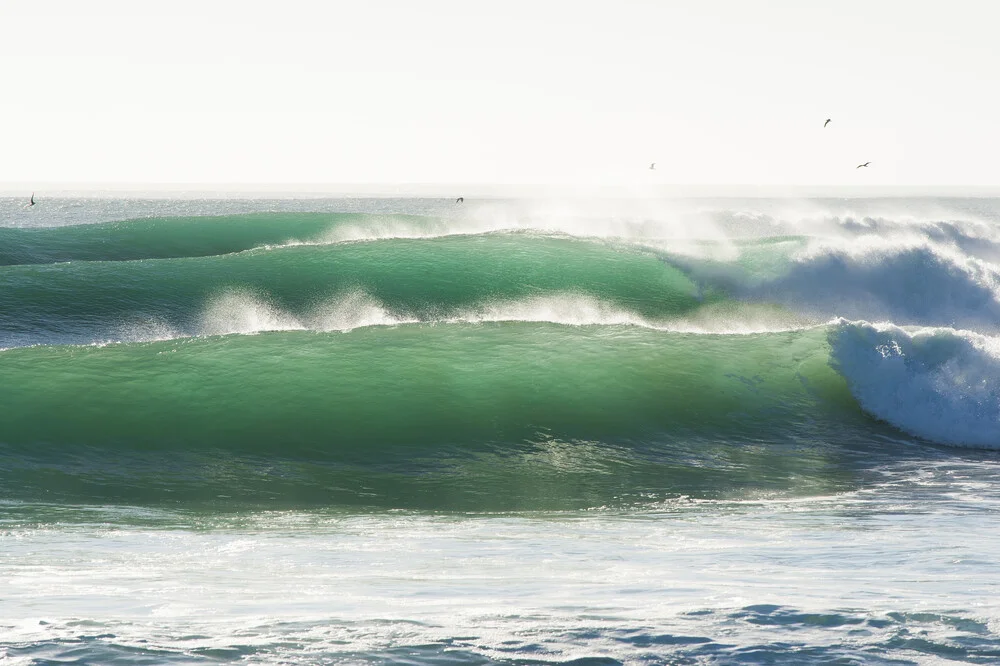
[515, 432]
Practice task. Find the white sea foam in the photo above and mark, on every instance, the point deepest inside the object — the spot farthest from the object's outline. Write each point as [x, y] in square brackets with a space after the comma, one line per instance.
[237, 311]
[940, 384]
[351, 310]
[242, 312]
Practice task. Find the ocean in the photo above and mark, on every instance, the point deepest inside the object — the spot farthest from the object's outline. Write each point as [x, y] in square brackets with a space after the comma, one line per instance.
[507, 431]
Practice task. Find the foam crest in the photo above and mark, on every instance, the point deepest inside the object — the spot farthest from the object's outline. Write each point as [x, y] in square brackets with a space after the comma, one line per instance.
[354, 309]
[940, 384]
[246, 313]
[243, 312]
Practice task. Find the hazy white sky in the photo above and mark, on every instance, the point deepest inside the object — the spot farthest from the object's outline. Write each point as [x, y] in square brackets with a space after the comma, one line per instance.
[512, 91]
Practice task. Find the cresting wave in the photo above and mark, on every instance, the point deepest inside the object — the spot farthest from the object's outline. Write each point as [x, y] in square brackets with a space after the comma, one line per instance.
[443, 287]
[433, 279]
[460, 382]
[484, 416]
[938, 383]
[941, 385]
[422, 280]
[243, 312]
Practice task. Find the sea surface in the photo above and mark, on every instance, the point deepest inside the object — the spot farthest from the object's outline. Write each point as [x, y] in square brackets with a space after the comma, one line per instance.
[521, 432]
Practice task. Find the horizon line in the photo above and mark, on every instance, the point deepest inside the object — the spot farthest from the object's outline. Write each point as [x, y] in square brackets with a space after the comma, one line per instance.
[446, 190]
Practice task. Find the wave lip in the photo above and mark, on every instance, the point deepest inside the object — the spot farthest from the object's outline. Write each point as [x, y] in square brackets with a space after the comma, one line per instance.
[918, 285]
[939, 384]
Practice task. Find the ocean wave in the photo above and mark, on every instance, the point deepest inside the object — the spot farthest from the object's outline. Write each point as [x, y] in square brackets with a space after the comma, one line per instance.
[776, 284]
[521, 376]
[872, 278]
[495, 416]
[910, 285]
[410, 280]
[939, 384]
[160, 237]
[199, 236]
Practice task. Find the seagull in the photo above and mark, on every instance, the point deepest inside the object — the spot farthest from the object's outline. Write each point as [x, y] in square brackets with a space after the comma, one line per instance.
[652, 167]
[32, 202]
[862, 165]
[827, 122]
[460, 200]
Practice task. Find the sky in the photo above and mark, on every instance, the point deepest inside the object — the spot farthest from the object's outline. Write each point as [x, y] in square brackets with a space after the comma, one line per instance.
[512, 91]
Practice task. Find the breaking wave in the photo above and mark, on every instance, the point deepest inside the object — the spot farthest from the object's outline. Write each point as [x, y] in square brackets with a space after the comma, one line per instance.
[940, 384]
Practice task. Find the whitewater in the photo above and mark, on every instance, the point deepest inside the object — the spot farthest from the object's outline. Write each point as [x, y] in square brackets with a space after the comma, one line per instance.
[508, 431]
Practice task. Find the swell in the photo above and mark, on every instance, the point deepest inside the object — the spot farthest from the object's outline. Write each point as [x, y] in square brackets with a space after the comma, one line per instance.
[169, 237]
[510, 415]
[453, 388]
[406, 279]
[419, 270]
[488, 416]
[484, 382]
[446, 278]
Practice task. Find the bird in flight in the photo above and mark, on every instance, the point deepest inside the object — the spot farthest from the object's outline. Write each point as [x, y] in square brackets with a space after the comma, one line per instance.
[460, 200]
[862, 165]
[827, 122]
[652, 167]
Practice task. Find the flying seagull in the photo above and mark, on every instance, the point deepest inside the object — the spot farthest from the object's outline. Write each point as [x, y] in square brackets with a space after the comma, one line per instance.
[460, 200]
[862, 165]
[652, 167]
[827, 122]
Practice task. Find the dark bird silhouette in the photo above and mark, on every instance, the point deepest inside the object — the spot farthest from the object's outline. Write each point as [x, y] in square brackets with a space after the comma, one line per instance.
[32, 202]
[460, 200]
[652, 167]
[862, 165]
[827, 122]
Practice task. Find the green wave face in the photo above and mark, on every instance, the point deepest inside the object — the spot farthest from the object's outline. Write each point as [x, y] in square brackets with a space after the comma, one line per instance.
[424, 279]
[473, 417]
